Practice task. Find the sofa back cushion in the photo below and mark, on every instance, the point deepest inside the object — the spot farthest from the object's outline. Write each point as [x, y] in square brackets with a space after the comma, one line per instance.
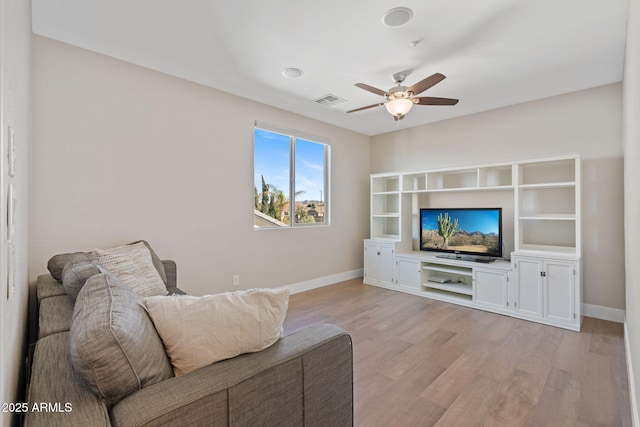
[114, 346]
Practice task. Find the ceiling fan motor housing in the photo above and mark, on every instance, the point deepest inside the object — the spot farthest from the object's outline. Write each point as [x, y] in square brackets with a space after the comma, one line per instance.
[398, 92]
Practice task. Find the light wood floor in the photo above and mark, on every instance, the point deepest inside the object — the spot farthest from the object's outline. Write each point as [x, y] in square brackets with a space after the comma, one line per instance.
[421, 362]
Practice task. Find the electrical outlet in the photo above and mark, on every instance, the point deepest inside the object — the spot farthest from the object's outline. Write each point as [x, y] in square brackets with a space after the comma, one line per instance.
[236, 280]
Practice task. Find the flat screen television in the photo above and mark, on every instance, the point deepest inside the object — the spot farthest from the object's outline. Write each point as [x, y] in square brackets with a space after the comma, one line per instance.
[473, 232]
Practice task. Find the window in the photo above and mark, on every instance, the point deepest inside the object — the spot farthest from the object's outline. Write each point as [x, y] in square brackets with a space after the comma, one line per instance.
[289, 166]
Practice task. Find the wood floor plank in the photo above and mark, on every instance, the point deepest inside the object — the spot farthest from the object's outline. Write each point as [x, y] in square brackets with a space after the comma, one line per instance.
[558, 405]
[446, 388]
[421, 362]
[517, 404]
[415, 355]
[473, 405]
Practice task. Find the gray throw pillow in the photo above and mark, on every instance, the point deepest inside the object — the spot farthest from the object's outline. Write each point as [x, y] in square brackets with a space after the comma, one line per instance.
[74, 277]
[57, 262]
[113, 344]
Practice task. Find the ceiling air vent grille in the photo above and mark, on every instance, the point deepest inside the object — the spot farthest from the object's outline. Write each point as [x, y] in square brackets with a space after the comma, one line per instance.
[329, 100]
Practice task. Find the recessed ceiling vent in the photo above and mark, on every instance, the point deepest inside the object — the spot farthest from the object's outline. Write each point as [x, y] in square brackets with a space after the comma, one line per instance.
[329, 100]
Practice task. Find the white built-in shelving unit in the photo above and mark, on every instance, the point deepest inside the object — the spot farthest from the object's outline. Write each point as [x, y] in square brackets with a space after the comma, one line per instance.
[385, 207]
[541, 281]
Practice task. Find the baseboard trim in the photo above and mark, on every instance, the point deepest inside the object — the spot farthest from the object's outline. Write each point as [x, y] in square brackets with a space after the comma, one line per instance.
[308, 285]
[603, 313]
[635, 419]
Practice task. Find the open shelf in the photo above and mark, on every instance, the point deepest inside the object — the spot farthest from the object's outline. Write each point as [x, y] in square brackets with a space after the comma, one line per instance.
[549, 200]
[569, 184]
[385, 204]
[548, 172]
[550, 217]
[460, 278]
[566, 250]
[459, 288]
[445, 295]
[549, 234]
[385, 184]
[450, 269]
[449, 180]
[495, 177]
[414, 182]
[385, 227]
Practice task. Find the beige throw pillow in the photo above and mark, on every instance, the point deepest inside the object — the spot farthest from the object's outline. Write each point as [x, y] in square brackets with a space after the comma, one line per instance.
[132, 264]
[198, 331]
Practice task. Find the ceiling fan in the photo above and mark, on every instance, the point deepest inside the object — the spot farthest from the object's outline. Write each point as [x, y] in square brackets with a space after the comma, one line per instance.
[400, 99]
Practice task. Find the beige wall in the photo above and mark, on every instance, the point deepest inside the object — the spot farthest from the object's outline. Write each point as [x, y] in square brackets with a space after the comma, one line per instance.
[631, 138]
[123, 153]
[586, 122]
[15, 106]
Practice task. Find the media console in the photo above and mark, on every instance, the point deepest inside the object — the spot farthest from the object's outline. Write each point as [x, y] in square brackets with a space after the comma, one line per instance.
[541, 282]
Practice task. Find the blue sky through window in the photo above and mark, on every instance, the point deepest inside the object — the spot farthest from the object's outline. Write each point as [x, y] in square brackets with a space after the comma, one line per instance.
[309, 170]
[271, 160]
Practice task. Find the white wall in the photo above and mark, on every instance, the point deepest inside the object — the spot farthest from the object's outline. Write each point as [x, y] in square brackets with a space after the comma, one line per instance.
[15, 106]
[586, 122]
[631, 138]
[123, 153]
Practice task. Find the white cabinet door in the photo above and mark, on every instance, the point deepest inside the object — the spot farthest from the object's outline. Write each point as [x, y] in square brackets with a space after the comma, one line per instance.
[529, 287]
[408, 273]
[378, 263]
[490, 288]
[385, 264]
[559, 291]
[371, 263]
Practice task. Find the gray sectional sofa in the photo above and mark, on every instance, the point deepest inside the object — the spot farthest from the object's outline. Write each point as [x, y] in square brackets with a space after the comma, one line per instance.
[304, 379]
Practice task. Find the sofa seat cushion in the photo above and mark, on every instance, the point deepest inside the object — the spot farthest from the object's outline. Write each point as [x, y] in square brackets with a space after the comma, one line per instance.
[54, 380]
[114, 345]
[198, 331]
[133, 265]
[55, 316]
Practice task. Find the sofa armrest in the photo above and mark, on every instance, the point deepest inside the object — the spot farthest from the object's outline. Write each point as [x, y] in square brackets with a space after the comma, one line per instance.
[55, 384]
[171, 270]
[306, 378]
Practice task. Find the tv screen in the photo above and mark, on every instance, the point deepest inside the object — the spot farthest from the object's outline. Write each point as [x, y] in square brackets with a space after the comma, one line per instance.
[471, 231]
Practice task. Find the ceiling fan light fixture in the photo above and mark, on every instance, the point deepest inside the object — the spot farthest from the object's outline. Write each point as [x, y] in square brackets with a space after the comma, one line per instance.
[399, 107]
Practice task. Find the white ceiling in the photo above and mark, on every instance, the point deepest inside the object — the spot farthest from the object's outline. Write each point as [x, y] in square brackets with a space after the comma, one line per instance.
[493, 52]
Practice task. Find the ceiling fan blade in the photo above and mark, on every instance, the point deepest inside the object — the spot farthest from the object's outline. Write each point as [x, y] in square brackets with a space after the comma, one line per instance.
[425, 84]
[430, 100]
[365, 108]
[371, 89]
